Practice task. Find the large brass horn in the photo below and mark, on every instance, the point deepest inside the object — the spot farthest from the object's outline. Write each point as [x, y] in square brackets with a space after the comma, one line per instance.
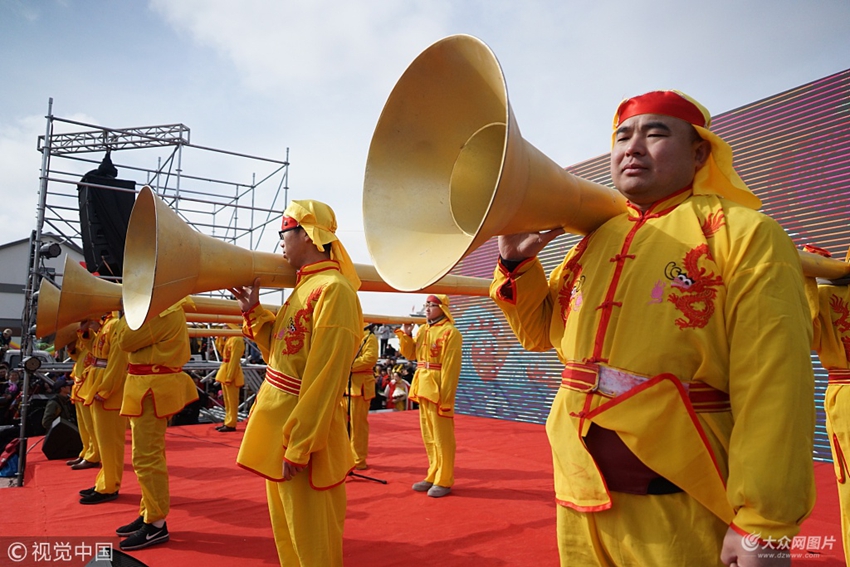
[448, 169]
[166, 260]
[83, 295]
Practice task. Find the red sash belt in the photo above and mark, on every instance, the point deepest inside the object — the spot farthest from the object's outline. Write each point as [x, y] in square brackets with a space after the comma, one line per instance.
[428, 365]
[611, 382]
[146, 369]
[839, 376]
[283, 382]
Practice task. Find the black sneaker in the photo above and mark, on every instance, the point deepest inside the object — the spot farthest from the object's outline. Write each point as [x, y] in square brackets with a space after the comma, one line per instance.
[98, 497]
[145, 537]
[131, 528]
[87, 491]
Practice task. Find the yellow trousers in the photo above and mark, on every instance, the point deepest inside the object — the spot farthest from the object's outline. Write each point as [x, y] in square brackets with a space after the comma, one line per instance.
[836, 403]
[359, 429]
[148, 432]
[231, 404]
[307, 523]
[109, 430]
[85, 423]
[669, 530]
[438, 434]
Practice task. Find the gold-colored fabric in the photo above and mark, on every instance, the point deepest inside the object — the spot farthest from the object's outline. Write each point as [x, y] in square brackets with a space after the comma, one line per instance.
[108, 383]
[706, 290]
[832, 343]
[312, 339]
[230, 371]
[362, 377]
[438, 344]
[438, 435]
[110, 428]
[319, 222]
[162, 341]
[85, 423]
[148, 434]
[359, 412]
[311, 539]
[681, 532]
[230, 393]
[78, 372]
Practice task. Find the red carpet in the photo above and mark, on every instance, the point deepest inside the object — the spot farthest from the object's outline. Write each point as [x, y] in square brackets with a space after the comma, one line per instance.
[501, 512]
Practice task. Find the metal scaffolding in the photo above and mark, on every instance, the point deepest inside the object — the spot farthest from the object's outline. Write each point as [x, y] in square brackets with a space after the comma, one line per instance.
[218, 204]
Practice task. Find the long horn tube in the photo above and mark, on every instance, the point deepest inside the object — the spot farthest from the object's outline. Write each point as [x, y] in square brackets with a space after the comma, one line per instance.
[166, 260]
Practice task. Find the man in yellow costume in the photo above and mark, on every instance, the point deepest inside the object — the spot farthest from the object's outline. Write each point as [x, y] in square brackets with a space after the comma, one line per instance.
[106, 377]
[682, 432]
[832, 343]
[437, 352]
[231, 378]
[90, 454]
[296, 434]
[360, 394]
[156, 388]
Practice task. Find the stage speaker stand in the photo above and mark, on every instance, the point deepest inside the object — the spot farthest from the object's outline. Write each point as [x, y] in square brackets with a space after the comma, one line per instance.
[117, 559]
[104, 214]
[62, 440]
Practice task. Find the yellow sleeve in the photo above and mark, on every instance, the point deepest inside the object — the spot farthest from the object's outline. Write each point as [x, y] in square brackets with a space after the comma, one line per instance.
[368, 356]
[769, 332]
[450, 371]
[524, 297]
[406, 345]
[234, 348]
[335, 337]
[259, 327]
[112, 378]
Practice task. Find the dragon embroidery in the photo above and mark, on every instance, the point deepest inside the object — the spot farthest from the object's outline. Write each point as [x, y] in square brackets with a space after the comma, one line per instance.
[437, 348]
[296, 328]
[697, 289]
[713, 223]
[842, 324]
[569, 295]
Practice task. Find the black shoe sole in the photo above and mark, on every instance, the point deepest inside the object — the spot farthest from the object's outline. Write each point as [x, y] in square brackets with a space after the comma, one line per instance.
[164, 538]
[87, 491]
[129, 529]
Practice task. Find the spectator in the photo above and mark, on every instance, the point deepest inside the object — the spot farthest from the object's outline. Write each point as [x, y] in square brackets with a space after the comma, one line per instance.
[59, 404]
[384, 334]
[396, 393]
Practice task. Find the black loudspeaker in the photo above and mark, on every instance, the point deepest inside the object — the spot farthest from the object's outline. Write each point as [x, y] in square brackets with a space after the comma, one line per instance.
[62, 440]
[104, 214]
[115, 558]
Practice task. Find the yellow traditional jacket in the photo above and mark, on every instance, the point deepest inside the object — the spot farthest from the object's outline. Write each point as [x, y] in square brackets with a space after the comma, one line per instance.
[100, 347]
[299, 415]
[697, 289]
[362, 373]
[156, 353]
[78, 372]
[230, 371]
[832, 343]
[437, 352]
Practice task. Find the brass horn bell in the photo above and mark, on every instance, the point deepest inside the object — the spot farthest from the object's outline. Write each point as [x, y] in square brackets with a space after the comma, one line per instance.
[165, 260]
[448, 169]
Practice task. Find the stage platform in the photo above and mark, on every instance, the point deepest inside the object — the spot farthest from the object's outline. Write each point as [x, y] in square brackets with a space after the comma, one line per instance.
[501, 512]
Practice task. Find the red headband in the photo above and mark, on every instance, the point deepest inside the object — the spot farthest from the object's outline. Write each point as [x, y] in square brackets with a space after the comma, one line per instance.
[667, 103]
[288, 223]
[433, 299]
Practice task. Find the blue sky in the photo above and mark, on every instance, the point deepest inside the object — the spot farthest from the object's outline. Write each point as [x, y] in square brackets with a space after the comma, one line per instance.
[259, 77]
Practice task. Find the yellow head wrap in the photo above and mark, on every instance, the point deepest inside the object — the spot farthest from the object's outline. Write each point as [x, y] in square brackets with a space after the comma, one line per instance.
[717, 176]
[319, 222]
[443, 302]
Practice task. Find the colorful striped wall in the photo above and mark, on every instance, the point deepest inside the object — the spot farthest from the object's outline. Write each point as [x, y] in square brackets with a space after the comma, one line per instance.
[792, 149]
